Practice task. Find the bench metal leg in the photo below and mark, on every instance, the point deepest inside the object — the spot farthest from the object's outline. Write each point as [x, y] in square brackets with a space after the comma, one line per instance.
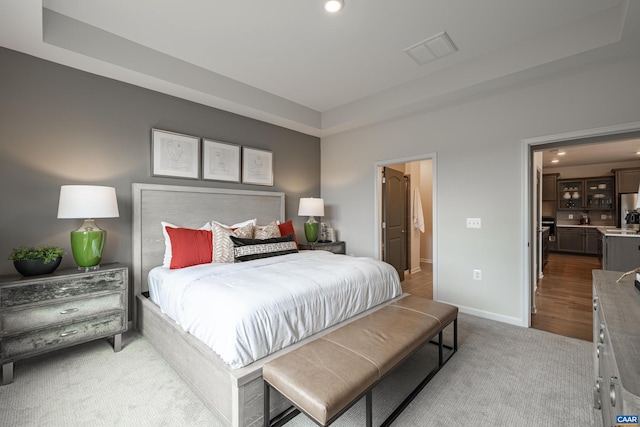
[369, 408]
[440, 349]
[266, 415]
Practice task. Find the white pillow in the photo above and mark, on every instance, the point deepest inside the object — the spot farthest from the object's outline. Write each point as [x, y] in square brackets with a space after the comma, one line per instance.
[168, 253]
[237, 225]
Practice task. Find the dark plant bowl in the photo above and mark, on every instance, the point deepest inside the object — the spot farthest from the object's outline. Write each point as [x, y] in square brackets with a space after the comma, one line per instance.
[36, 267]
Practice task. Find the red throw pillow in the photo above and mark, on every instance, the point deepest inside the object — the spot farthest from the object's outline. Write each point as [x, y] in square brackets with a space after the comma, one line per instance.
[286, 229]
[190, 247]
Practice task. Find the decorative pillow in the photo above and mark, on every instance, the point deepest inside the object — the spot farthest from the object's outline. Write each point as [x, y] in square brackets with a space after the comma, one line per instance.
[236, 225]
[266, 231]
[166, 262]
[222, 244]
[190, 247]
[248, 249]
[286, 228]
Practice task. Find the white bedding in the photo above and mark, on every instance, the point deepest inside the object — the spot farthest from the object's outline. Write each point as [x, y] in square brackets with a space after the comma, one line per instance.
[245, 311]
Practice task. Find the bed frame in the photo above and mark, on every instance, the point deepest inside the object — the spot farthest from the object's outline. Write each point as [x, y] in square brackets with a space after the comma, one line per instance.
[235, 396]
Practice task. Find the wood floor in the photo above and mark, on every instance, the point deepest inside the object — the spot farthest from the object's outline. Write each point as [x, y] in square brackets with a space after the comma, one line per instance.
[563, 299]
[420, 284]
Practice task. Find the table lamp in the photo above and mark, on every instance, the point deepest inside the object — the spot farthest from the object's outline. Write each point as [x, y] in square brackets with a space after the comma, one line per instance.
[311, 207]
[88, 202]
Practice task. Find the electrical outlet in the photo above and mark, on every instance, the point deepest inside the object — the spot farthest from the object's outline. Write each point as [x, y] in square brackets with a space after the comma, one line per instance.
[477, 274]
[570, 216]
[473, 223]
[603, 216]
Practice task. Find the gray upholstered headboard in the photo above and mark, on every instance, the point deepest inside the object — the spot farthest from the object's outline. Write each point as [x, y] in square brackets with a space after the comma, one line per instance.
[189, 207]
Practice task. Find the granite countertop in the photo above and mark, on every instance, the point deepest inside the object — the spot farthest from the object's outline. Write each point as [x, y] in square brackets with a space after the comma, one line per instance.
[618, 232]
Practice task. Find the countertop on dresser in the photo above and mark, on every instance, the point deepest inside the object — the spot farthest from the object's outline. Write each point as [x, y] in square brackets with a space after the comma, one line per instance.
[620, 305]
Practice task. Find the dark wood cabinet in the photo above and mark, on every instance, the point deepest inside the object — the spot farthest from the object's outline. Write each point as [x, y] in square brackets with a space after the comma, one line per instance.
[627, 180]
[582, 240]
[569, 239]
[586, 194]
[549, 187]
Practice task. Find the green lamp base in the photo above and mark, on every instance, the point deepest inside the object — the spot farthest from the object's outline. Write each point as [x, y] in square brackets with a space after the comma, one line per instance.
[311, 231]
[87, 245]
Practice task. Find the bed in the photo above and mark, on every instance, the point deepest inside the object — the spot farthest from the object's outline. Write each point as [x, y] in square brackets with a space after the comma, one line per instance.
[231, 389]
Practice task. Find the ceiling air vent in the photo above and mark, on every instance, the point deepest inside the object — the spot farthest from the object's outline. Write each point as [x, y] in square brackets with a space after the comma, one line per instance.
[431, 49]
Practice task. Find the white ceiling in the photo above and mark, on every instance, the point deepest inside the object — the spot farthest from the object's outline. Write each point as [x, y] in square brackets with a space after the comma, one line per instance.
[290, 63]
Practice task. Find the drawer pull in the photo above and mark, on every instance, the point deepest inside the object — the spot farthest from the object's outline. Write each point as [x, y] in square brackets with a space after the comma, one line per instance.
[69, 333]
[69, 310]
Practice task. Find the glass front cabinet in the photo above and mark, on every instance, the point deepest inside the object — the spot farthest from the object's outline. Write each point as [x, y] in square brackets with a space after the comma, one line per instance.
[586, 194]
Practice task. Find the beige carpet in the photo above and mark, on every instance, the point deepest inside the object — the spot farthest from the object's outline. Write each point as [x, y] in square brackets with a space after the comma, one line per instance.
[502, 375]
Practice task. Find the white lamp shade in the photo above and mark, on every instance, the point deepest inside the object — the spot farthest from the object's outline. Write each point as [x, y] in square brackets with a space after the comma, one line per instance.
[311, 207]
[87, 201]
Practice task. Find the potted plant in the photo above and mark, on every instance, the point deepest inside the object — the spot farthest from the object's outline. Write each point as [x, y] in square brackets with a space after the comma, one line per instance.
[35, 260]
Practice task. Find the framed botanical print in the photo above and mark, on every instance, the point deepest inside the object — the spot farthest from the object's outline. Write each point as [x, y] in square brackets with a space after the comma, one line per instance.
[174, 154]
[220, 161]
[257, 166]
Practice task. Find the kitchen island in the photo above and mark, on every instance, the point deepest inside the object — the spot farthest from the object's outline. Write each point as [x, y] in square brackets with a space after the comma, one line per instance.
[619, 249]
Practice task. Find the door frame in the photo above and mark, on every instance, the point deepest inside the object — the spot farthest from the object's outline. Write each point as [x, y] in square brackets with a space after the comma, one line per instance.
[528, 193]
[377, 198]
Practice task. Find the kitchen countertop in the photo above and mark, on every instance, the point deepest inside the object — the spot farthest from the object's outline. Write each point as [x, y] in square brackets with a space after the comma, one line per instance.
[607, 230]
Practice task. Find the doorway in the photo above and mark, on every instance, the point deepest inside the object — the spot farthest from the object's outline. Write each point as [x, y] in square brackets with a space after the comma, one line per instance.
[569, 315]
[420, 248]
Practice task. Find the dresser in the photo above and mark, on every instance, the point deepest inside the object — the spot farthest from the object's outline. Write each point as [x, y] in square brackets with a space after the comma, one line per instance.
[335, 247]
[43, 313]
[616, 351]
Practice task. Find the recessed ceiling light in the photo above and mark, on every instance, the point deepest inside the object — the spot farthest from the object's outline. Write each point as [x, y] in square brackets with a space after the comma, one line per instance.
[561, 153]
[555, 161]
[333, 6]
[638, 152]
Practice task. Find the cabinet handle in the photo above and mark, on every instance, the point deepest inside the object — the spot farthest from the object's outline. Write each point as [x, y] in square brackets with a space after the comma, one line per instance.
[75, 331]
[69, 310]
[595, 304]
[612, 391]
[598, 347]
[601, 334]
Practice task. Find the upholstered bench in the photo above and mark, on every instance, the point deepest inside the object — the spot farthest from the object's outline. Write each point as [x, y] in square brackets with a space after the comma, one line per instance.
[325, 377]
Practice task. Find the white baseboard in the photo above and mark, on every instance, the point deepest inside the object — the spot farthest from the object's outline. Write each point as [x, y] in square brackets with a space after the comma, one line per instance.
[426, 260]
[489, 315]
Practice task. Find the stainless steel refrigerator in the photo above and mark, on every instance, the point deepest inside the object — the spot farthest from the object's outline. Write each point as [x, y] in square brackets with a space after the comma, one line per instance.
[626, 203]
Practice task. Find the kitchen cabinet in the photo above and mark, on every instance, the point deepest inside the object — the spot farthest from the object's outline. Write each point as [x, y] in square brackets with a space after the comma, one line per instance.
[582, 240]
[627, 180]
[586, 194]
[545, 246]
[549, 186]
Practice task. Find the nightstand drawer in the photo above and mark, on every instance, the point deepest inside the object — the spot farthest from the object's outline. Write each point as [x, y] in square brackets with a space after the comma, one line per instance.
[62, 287]
[16, 320]
[32, 343]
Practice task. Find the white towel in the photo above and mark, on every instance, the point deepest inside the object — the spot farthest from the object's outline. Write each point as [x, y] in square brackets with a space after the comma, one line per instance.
[418, 217]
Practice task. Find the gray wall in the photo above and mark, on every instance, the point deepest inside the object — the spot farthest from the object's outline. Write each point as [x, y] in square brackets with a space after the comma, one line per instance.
[62, 126]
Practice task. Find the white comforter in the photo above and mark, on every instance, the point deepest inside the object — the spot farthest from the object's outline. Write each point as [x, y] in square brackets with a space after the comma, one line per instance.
[245, 311]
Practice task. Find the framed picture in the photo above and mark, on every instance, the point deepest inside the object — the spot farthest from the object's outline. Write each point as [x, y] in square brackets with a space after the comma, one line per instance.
[174, 154]
[257, 166]
[220, 161]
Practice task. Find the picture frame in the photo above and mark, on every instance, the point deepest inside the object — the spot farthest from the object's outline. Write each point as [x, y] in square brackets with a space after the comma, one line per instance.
[257, 166]
[220, 161]
[174, 154]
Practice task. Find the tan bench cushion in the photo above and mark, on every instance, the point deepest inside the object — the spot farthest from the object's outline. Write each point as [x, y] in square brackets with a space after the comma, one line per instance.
[324, 376]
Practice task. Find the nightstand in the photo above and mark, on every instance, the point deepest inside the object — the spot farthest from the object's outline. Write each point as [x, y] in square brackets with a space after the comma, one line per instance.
[335, 247]
[39, 314]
